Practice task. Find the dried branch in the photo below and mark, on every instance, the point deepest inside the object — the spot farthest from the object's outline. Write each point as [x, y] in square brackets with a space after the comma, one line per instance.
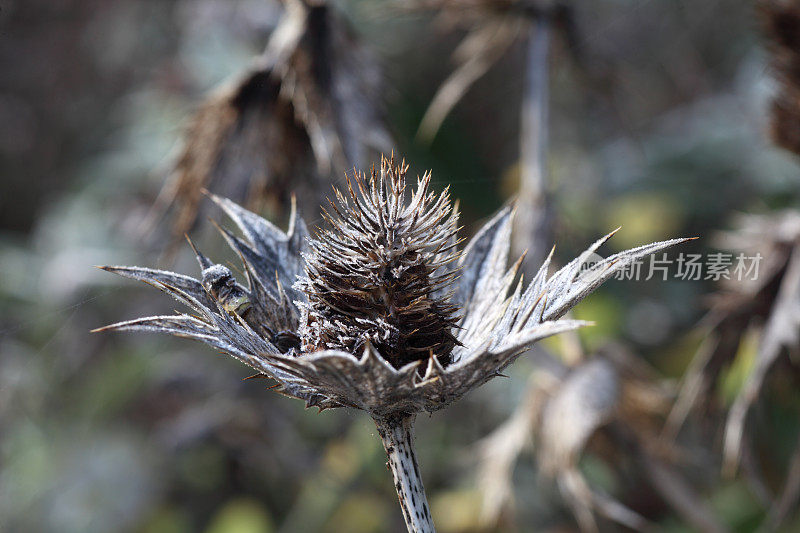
[532, 228]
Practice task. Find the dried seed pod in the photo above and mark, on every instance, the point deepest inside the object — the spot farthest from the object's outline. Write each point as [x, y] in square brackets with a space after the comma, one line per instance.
[378, 273]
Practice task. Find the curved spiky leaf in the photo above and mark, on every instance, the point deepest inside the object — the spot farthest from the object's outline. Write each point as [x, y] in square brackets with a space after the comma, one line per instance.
[570, 285]
[192, 328]
[485, 256]
[487, 361]
[163, 280]
[271, 252]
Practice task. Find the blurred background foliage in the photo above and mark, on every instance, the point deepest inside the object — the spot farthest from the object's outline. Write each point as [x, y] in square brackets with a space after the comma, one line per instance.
[657, 123]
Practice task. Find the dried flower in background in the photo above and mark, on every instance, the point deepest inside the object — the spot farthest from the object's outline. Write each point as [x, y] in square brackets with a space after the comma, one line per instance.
[737, 314]
[379, 312]
[308, 105]
[612, 400]
[782, 25]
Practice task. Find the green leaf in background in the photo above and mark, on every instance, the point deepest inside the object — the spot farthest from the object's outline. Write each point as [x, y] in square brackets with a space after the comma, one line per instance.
[457, 511]
[607, 314]
[168, 520]
[644, 217]
[241, 515]
[733, 378]
[361, 512]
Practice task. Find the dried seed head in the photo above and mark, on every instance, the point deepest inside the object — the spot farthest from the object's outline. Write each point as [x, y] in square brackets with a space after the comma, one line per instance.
[378, 272]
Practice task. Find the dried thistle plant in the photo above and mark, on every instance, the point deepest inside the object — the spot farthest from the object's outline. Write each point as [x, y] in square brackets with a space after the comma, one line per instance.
[379, 312]
[308, 105]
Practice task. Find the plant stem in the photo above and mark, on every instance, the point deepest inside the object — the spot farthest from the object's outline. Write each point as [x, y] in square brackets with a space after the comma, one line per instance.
[533, 217]
[397, 434]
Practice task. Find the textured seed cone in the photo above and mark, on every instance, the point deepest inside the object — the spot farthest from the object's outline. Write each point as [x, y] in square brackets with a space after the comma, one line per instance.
[377, 274]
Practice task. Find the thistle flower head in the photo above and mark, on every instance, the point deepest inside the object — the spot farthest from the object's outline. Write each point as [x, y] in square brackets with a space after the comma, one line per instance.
[379, 272]
[380, 311]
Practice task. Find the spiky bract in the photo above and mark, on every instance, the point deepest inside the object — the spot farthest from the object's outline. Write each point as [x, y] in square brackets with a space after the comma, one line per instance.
[379, 272]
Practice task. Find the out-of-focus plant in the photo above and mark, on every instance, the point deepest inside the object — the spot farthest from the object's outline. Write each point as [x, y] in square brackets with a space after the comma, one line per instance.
[610, 405]
[379, 312]
[308, 107]
[782, 27]
[763, 312]
[493, 28]
[752, 322]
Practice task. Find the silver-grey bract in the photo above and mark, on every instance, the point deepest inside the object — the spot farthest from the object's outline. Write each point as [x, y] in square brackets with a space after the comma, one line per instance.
[265, 324]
